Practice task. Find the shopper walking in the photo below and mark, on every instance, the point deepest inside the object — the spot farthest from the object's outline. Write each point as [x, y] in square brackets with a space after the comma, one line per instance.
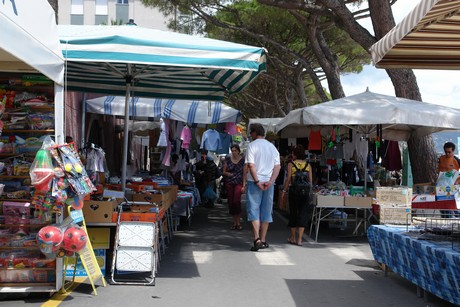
[206, 172]
[299, 194]
[263, 161]
[233, 173]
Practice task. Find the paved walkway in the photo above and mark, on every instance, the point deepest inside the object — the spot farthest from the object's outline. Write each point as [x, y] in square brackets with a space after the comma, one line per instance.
[207, 264]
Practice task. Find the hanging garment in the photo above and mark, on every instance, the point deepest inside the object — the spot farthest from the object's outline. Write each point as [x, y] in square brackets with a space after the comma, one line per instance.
[231, 128]
[211, 140]
[162, 140]
[167, 157]
[186, 137]
[225, 140]
[392, 158]
[314, 140]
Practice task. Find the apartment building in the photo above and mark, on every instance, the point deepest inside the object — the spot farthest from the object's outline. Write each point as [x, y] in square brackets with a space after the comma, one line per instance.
[95, 12]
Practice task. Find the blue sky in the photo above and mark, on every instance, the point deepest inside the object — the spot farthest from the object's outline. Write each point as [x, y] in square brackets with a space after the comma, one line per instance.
[436, 86]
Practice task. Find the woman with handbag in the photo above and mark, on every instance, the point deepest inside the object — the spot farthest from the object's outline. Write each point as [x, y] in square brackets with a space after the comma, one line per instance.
[233, 172]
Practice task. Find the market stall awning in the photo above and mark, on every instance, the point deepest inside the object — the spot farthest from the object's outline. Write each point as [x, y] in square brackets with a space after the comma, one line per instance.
[29, 39]
[160, 64]
[427, 38]
[140, 62]
[269, 124]
[189, 111]
[400, 118]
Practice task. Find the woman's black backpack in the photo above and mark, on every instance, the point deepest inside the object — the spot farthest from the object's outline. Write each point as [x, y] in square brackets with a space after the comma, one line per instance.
[301, 182]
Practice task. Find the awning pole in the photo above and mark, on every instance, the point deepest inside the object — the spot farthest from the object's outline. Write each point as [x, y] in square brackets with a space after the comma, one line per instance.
[124, 160]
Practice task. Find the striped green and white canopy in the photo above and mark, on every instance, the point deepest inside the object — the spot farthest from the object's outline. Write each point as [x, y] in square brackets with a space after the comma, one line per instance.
[427, 38]
[160, 64]
[135, 61]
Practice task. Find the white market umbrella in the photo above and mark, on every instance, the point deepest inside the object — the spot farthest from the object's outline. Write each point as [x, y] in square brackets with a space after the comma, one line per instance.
[188, 111]
[136, 61]
[427, 38]
[400, 118]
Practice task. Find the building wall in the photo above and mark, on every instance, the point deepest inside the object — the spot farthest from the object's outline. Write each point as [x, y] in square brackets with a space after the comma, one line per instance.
[143, 16]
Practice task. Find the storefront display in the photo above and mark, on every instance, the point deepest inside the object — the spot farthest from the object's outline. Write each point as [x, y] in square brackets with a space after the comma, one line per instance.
[27, 104]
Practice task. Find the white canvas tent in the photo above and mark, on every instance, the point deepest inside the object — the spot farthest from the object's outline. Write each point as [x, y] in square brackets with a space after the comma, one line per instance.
[269, 124]
[400, 118]
[31, 44]
[188, 111]
[30, 39]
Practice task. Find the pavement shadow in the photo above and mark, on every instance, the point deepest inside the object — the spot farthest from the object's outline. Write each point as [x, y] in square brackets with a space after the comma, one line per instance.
[395, 291]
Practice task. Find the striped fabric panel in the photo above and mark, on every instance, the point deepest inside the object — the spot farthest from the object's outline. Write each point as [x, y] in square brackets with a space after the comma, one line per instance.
[192, 112]
[163, 64]
[216, 113]
[428, 38]
[409, 22]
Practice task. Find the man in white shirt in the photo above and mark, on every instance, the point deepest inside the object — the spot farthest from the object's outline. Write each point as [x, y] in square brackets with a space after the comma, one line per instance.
[263, 160]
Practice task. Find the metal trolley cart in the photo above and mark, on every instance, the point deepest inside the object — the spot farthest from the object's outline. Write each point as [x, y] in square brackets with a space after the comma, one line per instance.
[135, 252]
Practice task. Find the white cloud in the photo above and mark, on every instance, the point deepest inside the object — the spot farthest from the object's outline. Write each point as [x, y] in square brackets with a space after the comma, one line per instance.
[436, 86]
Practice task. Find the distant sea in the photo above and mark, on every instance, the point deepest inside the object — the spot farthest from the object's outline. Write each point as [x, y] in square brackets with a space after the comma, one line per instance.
[446, 136]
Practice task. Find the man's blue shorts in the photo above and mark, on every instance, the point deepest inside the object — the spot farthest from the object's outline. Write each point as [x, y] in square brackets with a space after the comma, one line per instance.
[259, 204]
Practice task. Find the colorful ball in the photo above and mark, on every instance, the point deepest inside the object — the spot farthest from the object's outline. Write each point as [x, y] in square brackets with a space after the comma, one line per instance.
[74, 239]
[68, 167]
[49, 239]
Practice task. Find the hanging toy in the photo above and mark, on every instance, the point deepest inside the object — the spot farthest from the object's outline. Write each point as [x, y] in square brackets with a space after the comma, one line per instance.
[75, 239]
[49, 240]
[42, 172]
[76, 203]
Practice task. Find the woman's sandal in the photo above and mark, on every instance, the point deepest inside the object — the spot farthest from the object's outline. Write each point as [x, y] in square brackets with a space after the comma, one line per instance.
[265, 245]
[257, 245]
[238, 227]
[233, 227]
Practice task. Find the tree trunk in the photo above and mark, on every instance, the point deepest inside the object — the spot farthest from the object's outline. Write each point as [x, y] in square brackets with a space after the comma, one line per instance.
[405, 85]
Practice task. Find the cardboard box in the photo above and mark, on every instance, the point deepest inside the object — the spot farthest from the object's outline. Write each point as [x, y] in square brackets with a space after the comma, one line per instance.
[401, 196]
[447, 192]
[165, 199]
[358, 202]
[149, 198]
[136, 217]
[424, 188]
[421, 198]
[144, 208]
[80, 271]
[99, 237]
[395, 215]
[330, 201]
[99, 211]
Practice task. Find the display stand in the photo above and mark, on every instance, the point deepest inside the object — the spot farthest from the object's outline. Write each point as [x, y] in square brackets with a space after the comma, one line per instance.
[87, 257]
[135, 251]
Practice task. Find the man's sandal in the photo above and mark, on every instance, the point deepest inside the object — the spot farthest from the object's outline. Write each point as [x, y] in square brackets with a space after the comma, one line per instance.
[257, 245]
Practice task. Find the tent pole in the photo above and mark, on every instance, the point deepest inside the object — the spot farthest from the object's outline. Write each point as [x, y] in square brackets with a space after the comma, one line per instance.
[124, 160]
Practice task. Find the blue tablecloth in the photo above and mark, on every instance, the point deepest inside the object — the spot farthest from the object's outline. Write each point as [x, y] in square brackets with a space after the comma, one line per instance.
[433, 266]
